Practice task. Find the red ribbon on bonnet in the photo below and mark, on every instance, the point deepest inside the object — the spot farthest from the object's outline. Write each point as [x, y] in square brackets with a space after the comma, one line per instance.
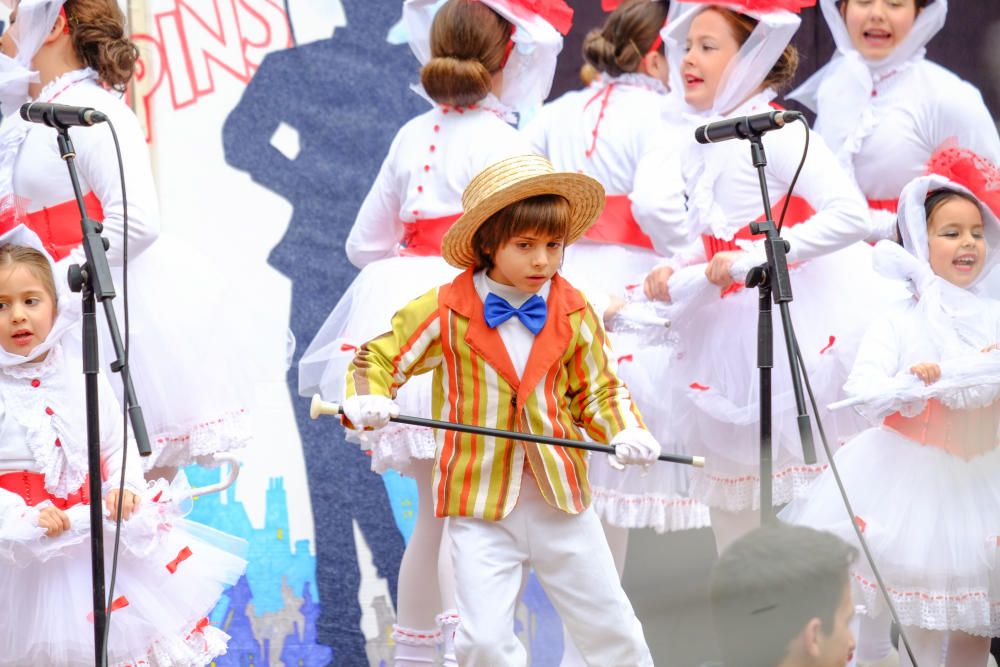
[967, 168]
[762, 6]
[556, 12]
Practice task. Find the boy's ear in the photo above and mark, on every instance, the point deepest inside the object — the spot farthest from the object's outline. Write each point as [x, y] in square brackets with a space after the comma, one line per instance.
[811, 639]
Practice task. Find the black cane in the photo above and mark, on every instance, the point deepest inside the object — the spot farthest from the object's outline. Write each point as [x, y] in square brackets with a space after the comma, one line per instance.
[321, 407]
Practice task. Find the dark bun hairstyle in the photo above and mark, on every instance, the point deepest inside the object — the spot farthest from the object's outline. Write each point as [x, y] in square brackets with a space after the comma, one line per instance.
[626, 37]
[468, 44]
[97, 28]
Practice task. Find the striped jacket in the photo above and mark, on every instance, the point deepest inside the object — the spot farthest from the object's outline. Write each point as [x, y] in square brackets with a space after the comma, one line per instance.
[569, 384]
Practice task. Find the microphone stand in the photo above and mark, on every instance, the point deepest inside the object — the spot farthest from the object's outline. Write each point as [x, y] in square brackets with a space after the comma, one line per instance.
[93, 281]
[773, 282]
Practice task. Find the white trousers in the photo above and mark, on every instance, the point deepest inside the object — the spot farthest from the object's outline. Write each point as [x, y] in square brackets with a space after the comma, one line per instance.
[573, 563]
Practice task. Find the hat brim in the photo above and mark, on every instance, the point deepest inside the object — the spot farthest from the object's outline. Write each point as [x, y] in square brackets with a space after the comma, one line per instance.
[584, 194]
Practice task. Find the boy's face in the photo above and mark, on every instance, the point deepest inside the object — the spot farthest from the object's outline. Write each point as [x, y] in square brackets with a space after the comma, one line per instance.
[27, 310]
[527, 261]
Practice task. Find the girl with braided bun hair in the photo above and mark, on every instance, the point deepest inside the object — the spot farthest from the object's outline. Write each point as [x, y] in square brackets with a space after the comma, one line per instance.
[77, 53]
[481, 62]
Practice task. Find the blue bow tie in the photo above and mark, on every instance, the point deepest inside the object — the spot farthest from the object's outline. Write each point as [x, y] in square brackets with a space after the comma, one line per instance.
[532, 313]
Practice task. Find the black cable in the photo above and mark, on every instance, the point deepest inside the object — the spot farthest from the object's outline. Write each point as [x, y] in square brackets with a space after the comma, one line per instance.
[124, 374]
[822, 432]
[850, 510]
[795, 178]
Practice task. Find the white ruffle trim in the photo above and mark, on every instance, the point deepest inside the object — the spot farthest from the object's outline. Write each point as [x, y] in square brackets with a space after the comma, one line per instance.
[734, 494]
[200, 647]
[412, 637]
[197, 443]
[661, 513]
[972, 611]
[397, 445]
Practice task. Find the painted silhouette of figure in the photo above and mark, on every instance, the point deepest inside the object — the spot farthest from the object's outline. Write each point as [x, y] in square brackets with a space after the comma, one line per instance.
[346, 97]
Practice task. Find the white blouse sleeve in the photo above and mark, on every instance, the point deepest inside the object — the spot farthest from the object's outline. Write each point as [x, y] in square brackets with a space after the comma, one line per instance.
[962, 116]
[841, 213]
[658, 199]
[877, 361]
[378, 228]
[112, 432]
[97, 163]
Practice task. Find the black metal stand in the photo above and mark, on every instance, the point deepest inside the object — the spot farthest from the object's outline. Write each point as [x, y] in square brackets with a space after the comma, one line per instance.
[773, 282]
[93, 281]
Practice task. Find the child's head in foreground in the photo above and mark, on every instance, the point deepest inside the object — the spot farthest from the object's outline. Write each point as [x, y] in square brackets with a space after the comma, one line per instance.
[27, 298]
[520, 214]
[948, 218]
[780, 596]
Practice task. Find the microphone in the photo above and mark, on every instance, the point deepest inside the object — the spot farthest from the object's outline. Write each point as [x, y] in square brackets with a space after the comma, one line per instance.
[60, 116]
[744, 127]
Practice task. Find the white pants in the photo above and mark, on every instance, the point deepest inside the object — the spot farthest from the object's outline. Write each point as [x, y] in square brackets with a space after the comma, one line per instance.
[572, 561]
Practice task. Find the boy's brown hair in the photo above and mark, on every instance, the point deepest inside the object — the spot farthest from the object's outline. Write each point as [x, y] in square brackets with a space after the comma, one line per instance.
[545, 215]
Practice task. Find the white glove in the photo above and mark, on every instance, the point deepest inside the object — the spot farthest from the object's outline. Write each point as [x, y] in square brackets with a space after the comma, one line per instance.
[369, 410]
[634, 446]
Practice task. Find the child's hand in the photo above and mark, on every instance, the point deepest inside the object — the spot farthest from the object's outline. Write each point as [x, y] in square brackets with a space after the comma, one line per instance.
[718, 270]
[614, 305]
[655, 286]
[369, 410]
[928, 372]
[130, 503]
[991, 348]
[634, 446]
[53, 520]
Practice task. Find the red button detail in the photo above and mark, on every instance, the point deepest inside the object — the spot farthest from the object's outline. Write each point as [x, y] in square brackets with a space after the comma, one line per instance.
[49, 411]
[420, 188]
[427, 167]
[36, 383]
[437, 128]
[58, 442]
[433, 148]
[416, 212]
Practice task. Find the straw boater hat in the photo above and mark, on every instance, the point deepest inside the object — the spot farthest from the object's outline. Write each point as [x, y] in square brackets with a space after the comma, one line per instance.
[512, 180]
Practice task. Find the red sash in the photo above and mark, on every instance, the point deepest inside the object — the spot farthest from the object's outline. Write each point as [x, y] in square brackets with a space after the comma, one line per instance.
[58, 226]
[422, 238]
[617, 226]
[31, 487]
[798, 212]
[891, 205]
[963, 433]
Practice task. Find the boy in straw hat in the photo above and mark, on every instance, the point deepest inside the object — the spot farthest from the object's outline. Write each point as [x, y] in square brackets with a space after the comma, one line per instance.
[513, 346]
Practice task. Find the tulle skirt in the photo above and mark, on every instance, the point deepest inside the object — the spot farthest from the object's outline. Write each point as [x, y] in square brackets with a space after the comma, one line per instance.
[656, 498]
[364, 312]
[714, 381]
[932, 521]
[189, 362]
[171, 573]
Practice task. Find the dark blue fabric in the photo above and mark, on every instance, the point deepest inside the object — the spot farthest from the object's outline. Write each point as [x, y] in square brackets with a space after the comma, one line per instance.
[532, 313]
[346, 97]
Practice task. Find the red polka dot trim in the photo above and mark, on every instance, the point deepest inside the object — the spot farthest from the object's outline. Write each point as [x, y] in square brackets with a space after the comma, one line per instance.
[420, 188]
[427, 167]
[433, 148]
[437, 128]
[36, 383]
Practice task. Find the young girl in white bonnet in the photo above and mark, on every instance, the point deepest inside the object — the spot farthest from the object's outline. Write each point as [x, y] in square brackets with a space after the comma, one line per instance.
[171, 573]
[922, 481]
[883, 107]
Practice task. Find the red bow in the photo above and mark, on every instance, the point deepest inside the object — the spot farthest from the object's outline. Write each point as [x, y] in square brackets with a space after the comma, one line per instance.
[763, 6]
[556, 12]
[973, 171]
[182, 556]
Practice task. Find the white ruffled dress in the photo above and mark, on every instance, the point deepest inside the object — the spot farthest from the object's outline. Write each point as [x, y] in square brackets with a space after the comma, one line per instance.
[171, 572]
[713, 380]
[923, 481]
[188, 364]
